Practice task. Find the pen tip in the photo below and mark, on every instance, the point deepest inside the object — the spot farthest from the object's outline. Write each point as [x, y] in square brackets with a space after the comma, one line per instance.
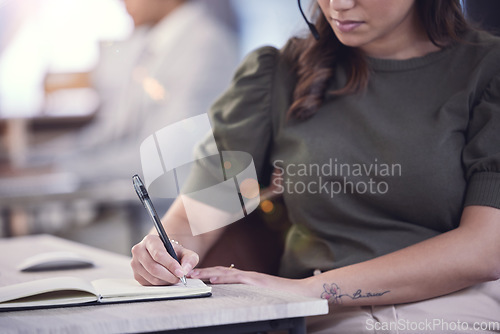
[183, 280]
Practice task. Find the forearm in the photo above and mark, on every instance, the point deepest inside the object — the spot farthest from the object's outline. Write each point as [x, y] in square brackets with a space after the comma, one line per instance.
[449, 262]
[177, 227]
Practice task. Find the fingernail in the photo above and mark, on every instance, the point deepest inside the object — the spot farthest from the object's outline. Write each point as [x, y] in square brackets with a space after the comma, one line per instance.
[195, 273]
[213, 279]
[179, 273]
[187, 267]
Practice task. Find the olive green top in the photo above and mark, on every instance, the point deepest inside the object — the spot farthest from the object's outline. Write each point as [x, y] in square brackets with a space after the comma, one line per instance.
[377, 171]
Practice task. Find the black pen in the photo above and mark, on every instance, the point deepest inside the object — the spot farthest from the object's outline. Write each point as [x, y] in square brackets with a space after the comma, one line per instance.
[140, 189]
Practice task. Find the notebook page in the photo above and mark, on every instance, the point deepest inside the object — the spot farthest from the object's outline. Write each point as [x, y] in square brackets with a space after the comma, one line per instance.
[48, 291]
[130, 289]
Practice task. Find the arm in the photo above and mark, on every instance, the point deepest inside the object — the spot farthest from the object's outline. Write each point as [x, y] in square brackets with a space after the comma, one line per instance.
[235, 129]
[446, 263]
[177, 226]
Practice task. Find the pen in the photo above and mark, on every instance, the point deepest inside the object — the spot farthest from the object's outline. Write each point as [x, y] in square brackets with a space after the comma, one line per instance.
[140, 189]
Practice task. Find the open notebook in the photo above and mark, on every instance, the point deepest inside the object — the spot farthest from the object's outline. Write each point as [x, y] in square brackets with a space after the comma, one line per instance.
[66, 291]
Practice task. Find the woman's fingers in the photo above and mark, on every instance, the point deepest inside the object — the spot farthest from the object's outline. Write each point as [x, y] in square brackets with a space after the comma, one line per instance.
[189, 259]
[152, 264]
[146, 270]
[224, 275]
[142, 276]
[159, 254]
[227, 275]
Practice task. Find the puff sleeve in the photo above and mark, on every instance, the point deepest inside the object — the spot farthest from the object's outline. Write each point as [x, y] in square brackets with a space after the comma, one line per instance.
[481, 155]
[241, 118]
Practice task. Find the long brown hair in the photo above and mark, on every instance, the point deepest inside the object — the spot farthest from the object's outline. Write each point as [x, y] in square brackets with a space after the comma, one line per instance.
[314, 61]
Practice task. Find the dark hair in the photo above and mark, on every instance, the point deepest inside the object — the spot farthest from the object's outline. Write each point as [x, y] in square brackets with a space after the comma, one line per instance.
[314, 61]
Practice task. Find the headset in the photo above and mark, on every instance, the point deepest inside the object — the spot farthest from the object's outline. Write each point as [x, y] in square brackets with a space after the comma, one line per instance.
[311, 26]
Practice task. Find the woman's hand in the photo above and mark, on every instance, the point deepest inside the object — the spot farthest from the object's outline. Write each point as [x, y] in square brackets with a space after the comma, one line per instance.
[152, 265]
[226, 275]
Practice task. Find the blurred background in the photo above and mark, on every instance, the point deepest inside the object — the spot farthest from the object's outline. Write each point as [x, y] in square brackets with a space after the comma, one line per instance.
[83, 82]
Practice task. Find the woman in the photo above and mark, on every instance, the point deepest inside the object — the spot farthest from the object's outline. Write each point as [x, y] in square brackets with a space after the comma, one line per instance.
[391, 122]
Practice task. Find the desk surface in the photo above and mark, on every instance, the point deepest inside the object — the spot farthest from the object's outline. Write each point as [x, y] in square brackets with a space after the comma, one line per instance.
[229, 304]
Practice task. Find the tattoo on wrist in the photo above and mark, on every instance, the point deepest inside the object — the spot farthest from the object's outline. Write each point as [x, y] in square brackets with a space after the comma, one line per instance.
[333, 294]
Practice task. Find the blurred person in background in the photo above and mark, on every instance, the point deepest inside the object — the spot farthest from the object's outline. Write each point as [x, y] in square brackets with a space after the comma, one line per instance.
[179, 58]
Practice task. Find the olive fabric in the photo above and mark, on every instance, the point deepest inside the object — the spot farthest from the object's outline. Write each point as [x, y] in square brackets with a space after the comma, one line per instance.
[376, 171]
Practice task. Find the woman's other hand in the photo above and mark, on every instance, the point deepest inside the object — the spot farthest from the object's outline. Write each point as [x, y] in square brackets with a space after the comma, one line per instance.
[227, 275]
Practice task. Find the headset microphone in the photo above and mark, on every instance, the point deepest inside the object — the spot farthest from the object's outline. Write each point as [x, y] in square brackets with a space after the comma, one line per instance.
[311, 26]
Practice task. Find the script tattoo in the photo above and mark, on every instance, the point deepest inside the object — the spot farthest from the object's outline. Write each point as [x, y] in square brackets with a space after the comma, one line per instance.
[333, 294]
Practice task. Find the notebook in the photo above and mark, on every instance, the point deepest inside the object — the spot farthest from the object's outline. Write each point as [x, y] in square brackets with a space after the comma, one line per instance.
[74, 291]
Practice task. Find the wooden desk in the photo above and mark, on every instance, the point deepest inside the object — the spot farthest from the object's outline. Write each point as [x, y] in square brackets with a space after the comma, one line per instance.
[231, 309]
